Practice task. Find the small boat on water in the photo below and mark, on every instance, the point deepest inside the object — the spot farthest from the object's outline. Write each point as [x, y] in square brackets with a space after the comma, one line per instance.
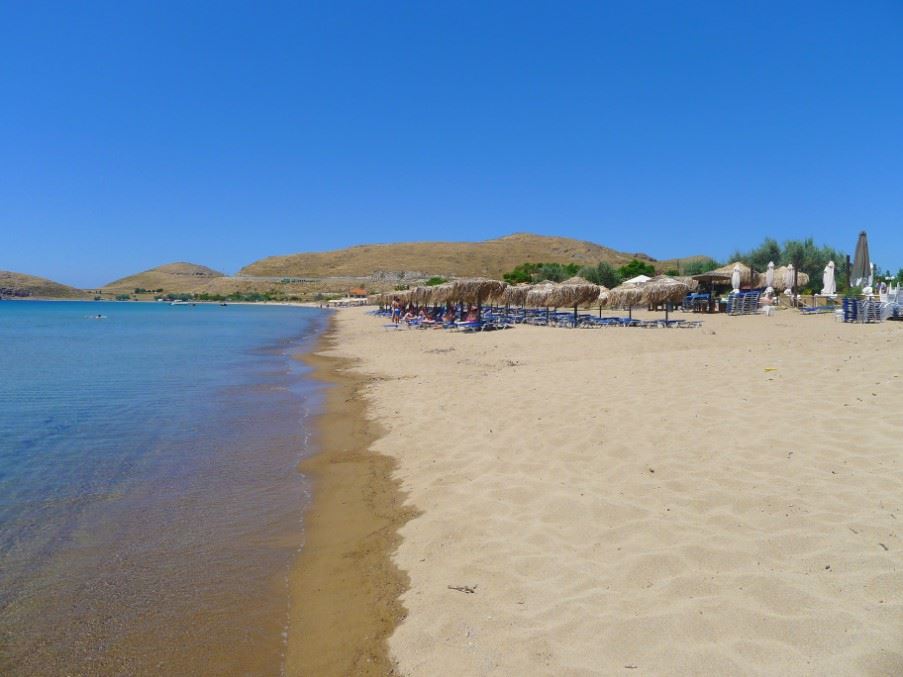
[179, 303]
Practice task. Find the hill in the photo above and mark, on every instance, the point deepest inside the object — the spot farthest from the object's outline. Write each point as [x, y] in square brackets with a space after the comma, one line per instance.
[19, 285]
[172, 277]
[490, 258]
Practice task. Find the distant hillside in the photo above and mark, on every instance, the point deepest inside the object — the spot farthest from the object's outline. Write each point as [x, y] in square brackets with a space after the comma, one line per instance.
[490, 258]
[172, 277]
[19, 285]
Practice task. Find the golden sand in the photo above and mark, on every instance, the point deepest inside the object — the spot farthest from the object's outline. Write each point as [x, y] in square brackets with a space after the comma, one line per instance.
[723, 500]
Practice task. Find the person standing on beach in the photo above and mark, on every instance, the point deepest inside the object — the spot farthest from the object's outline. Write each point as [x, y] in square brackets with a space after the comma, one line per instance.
[396, 310]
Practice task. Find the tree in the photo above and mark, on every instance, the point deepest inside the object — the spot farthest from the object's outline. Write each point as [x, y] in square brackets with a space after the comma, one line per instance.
[603, 273]
[700, 266]
[805, 255]
[634, 268]
[433, 281]
[535, 272]
[759, 258]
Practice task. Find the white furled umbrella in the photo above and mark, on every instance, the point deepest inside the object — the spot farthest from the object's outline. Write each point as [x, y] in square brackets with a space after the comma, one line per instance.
[788, 279]
[769, 277]
[735, 279]
[829, 286]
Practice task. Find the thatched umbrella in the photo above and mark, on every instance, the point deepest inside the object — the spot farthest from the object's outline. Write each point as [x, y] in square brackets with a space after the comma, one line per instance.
[664, 289]
[603, 298]
[420, 296]
[442, 293]
[575, 292]
[747, 275]
[713, 278]
[692, 284]
[542, 294]
[476, 290]
[515, 294]
[783, 278]
[625, 296]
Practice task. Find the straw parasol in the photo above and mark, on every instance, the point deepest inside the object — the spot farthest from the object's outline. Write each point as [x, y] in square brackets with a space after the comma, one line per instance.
[515, 295]
[692, 284]
[625, 296]
[542, 294]
[576, 291]
[664, 289]
[442, 293]
[747, 275]
[476, 290]
[420, 296]
[783, 278]
[603, 298]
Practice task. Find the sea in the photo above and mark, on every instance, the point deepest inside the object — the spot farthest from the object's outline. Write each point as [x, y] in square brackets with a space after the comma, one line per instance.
[150, 501]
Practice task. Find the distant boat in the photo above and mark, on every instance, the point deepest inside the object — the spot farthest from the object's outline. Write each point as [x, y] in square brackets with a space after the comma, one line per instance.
[179, 303]
[224, 304]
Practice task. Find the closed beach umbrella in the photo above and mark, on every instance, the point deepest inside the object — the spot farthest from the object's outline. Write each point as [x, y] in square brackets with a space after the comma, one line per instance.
[861, 270]
[788, 277]
[735, 278]
[829, 285]
[769, 276]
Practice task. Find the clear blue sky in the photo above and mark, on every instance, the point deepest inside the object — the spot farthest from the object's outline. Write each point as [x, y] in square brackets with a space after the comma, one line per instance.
[135, 134]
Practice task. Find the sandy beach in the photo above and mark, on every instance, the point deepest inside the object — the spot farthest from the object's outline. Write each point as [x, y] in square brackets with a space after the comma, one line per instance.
[722, 500]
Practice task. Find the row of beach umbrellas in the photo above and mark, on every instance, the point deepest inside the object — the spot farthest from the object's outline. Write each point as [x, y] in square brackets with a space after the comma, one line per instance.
[572, 293]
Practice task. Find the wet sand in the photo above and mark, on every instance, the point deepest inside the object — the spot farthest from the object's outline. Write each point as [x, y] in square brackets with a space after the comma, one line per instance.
[344, 589]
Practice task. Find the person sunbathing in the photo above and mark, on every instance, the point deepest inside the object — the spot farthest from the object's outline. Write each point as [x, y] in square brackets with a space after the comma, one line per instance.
[471, 314]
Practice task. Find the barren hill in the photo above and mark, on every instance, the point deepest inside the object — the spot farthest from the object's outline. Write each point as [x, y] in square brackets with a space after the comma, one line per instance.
[490, 258]
[172, 277]
[19, 285]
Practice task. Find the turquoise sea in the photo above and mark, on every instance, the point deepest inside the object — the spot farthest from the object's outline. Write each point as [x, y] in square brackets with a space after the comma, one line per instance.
[150, 505]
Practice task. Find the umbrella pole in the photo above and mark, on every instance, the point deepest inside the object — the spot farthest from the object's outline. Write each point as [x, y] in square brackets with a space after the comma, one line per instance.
[575, 316]
[667, 308]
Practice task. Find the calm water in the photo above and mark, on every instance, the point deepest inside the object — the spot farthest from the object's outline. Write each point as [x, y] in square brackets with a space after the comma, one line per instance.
[150, 506]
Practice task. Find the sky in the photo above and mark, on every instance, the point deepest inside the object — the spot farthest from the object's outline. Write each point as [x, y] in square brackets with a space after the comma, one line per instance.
[140, 133]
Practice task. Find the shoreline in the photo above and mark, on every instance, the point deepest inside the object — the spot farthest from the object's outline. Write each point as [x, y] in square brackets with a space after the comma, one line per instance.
[344, 587]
